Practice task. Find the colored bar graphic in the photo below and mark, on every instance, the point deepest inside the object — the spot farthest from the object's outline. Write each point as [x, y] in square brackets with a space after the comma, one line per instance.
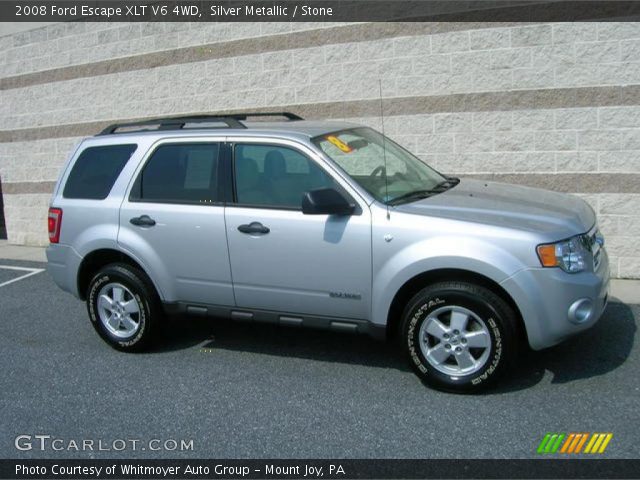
[607, 439]
[592, 440]
[582, 440]
[567, 442]
[572, 443]
[556, 445]
[577, 439]
[596, 446]
[543, 443]
[550, 443]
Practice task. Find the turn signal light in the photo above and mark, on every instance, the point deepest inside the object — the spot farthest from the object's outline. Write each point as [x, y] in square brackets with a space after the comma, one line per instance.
[547, 254]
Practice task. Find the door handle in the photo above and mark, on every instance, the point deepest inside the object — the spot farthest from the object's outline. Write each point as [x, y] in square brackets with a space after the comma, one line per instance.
[253, 227]
[143, 221]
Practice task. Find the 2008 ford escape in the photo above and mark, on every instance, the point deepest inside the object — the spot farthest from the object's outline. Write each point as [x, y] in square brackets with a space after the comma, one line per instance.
[320, 224]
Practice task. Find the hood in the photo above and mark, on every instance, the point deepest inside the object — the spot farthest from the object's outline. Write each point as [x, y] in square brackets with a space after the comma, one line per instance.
[554, 215]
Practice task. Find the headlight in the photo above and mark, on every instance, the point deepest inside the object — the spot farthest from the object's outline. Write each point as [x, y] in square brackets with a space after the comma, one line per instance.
[570, 255]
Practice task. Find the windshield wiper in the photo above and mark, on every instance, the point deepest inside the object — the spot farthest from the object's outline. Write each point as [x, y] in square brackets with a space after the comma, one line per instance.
[413, 195]
[448, 183]
[425, 193]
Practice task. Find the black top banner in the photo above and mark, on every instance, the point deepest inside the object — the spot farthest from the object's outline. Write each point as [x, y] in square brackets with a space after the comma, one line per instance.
[319, 11]
[315, 469]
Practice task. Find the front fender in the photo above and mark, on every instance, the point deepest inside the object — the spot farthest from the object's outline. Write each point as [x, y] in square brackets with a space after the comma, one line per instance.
[445, 252]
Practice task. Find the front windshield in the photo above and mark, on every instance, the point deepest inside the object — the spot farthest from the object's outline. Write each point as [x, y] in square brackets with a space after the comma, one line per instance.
[361, 153]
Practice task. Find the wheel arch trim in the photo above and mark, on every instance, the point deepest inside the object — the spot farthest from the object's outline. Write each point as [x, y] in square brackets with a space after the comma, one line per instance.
[392, 310]
[100, 257]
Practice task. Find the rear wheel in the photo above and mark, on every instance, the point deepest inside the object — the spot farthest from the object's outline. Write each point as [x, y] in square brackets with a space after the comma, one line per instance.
[124, 307]
[459, 336]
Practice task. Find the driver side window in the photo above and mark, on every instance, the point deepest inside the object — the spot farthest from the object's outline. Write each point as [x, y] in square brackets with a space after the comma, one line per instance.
[275, 176]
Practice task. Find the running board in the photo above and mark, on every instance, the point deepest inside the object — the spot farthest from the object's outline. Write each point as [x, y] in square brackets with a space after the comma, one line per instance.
[335, 324]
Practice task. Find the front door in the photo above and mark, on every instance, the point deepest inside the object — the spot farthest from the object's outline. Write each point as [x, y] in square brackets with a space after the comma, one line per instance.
[283, 260]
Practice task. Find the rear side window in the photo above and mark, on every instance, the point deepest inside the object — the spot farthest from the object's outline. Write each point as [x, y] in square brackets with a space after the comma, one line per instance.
[96, 170]
[180, 173]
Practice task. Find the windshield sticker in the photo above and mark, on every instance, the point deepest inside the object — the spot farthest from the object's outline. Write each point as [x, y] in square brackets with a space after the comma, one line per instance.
[340, 144]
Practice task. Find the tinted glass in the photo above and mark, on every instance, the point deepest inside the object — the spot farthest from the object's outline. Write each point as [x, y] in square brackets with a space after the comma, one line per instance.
[96, 170]
[276, 176]
[180, 173]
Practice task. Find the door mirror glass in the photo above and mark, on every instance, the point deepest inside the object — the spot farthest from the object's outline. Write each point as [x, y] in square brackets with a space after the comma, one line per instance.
[326, 201]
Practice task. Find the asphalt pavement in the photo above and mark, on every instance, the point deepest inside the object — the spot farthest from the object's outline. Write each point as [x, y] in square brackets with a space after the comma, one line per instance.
[245, 391]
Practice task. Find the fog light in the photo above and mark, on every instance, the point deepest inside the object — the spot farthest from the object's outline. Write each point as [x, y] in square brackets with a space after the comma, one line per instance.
[580, 311]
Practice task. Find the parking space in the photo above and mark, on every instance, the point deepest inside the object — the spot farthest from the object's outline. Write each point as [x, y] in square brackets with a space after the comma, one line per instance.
[244, 390]
[7, 275]
[11, 273]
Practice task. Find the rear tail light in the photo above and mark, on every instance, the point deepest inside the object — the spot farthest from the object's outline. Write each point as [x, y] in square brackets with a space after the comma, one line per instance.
[54, 223]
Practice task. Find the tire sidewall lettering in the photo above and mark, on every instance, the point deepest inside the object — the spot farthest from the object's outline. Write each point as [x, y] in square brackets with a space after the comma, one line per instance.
[93, 301]
[416, 318]
[486, 313]
[93, 315]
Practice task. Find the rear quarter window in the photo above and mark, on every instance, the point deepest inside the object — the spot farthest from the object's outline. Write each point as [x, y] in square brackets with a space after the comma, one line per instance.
[96, 170]
[179, 173]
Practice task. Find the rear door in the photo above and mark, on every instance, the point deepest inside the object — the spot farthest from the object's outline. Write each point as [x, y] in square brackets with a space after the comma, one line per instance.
[172, 221]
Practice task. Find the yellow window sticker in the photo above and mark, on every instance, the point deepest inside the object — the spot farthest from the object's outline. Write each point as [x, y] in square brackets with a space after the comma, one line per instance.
[340, 144]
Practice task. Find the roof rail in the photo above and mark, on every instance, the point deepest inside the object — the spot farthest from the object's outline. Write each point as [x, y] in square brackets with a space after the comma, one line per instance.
[177, 123]
[171, 123]
[244, 116]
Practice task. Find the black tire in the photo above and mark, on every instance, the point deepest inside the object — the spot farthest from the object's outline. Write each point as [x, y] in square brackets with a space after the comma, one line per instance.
[499, 321]
[148, 317]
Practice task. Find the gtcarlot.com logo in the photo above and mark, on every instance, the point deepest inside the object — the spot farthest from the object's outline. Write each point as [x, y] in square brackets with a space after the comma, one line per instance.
[574, 443]
[50, 443]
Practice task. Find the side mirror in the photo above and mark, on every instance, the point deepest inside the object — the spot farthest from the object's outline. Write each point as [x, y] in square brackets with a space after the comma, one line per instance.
[326, 201]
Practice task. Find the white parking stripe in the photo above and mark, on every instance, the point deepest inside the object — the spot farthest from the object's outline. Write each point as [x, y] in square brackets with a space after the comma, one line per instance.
[32, 271]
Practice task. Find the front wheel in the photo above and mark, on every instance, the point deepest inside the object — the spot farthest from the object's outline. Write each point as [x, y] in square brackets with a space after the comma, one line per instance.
[123, 307]
[459, 336]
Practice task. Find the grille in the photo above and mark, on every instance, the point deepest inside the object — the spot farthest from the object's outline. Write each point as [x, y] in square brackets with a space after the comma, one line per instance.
[595, 241]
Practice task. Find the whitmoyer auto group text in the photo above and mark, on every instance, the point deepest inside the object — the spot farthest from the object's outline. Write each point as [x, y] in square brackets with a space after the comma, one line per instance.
[162, 471]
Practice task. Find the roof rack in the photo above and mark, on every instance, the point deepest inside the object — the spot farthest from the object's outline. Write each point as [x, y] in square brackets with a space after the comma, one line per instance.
[178, 123]
[243, 116]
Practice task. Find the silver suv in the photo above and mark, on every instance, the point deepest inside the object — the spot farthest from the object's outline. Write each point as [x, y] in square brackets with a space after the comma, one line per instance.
[320, 224]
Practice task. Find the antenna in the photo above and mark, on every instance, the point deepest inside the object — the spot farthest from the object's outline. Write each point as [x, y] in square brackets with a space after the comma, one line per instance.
[384, 153]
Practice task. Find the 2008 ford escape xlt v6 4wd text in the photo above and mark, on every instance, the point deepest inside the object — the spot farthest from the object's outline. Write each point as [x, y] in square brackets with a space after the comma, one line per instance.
[320, 224]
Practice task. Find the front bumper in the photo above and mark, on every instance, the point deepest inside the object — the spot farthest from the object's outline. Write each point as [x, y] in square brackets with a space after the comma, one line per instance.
[548, 299]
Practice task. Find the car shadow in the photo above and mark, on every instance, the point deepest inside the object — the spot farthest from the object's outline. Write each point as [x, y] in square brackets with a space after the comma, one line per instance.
[595, 352]
[283, 341]
[592, 353]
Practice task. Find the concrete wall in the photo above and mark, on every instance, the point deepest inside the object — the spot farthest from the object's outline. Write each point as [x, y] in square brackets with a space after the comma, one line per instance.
[550, 105]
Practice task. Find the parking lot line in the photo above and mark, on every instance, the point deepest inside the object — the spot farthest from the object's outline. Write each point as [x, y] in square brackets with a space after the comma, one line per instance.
[31, 271]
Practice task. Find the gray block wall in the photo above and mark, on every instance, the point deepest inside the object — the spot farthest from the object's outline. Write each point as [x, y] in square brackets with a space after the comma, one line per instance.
[549, 105]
